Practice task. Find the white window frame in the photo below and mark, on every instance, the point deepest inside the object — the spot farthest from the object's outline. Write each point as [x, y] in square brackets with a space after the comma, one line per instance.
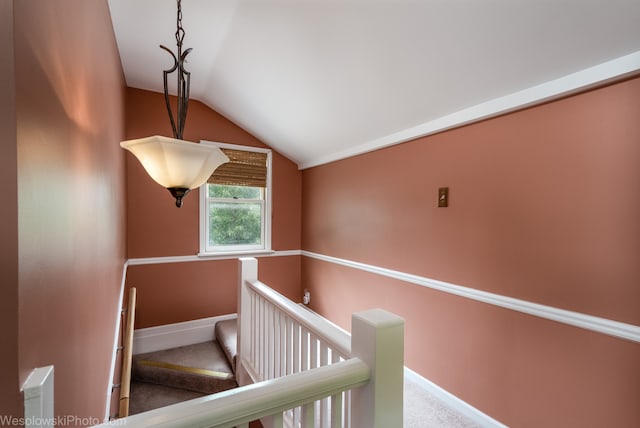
[266, 220]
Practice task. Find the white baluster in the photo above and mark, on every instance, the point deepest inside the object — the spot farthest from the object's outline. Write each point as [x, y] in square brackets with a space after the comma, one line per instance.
[289, 349]
[277, 420]
[254, 309]
[261, 338]
[336, 411]
[308, 415]
[297, 361]
[324, 404]
[313, 351]
[277, 344]
[305, 340]
[271, 342]
[297, 353]
[346, 396]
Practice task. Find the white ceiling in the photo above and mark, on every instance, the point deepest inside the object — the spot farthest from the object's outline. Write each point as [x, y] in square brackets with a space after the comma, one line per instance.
[319, 80]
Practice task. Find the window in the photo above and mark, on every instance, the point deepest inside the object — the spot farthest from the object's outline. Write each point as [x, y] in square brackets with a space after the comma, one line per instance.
[235, 208]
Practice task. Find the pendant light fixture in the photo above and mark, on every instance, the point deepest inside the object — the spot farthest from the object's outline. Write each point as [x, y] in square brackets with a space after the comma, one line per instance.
[173, 163]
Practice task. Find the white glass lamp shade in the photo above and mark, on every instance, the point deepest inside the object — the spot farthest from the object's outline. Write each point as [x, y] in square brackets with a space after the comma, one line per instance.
[176, 164]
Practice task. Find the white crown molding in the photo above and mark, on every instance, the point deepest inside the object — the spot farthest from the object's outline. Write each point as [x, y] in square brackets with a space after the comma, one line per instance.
[589, 322]
[588, 78]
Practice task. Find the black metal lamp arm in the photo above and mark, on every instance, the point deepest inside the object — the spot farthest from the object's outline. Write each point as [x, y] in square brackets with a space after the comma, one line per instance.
[184, 81]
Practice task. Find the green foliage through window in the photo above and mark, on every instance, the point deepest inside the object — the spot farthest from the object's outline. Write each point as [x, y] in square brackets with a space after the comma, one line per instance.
[234, 224]
[234, 192]
[235, 215]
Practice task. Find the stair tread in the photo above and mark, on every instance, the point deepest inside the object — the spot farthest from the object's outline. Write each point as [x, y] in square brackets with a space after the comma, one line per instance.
[202, 367]
[148, 396]
[206, 355]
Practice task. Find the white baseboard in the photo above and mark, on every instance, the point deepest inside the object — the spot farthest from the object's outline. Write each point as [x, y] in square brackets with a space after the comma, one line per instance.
[452, 401]
[168, 336]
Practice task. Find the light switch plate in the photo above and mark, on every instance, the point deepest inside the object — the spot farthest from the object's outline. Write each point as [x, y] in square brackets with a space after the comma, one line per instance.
[443, 197]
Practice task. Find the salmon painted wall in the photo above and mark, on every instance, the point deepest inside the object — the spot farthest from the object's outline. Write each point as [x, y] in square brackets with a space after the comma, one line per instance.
[177, 292]
[10, 398]
[544, 207]
[71, 228]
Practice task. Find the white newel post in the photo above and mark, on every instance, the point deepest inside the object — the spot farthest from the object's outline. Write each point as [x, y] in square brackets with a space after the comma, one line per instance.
[377, 338]
[247, 271]
[38, 398]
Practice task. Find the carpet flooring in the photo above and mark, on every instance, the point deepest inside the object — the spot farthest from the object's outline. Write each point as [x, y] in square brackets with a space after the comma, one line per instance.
[423, 410]
[148, 396]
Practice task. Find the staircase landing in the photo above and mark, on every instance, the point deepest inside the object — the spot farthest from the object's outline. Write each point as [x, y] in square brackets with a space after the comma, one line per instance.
[173, 375]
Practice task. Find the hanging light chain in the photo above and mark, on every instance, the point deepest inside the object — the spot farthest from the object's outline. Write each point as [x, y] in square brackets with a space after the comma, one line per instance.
[180, 31]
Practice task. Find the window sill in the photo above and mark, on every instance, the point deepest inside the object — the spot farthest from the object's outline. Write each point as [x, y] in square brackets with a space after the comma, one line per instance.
[228, 254]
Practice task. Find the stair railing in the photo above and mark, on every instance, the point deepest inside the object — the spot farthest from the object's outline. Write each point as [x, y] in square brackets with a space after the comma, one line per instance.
[277, 337]
[360, 381]
[127, 351]
[237, 407]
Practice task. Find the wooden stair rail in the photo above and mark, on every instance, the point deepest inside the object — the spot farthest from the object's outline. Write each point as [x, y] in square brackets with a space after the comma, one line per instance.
[125, 383]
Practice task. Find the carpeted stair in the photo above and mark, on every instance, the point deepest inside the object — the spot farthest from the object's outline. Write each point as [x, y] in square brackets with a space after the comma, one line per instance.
[173, 375]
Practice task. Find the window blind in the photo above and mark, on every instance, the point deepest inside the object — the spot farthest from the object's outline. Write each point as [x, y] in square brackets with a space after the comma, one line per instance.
[244, 168]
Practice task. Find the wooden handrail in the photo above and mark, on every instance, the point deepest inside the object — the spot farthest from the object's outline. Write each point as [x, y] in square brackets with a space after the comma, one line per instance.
[125, 383]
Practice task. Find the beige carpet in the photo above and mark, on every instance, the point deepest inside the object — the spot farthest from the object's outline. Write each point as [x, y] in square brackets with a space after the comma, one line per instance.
[423, 410]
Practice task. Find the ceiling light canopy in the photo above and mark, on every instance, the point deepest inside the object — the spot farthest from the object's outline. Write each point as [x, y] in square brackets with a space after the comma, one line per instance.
[173, 163]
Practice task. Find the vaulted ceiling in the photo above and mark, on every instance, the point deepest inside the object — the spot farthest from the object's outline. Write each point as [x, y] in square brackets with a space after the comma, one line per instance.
[319, 80]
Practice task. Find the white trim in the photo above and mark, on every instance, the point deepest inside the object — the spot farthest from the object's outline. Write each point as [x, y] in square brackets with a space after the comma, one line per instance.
[116, 337]
[38, 398]
[589, 322]
[281, 253]
[210, 257]
[458, 405]
[168, 336]
[237, 146]
[604, 73]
